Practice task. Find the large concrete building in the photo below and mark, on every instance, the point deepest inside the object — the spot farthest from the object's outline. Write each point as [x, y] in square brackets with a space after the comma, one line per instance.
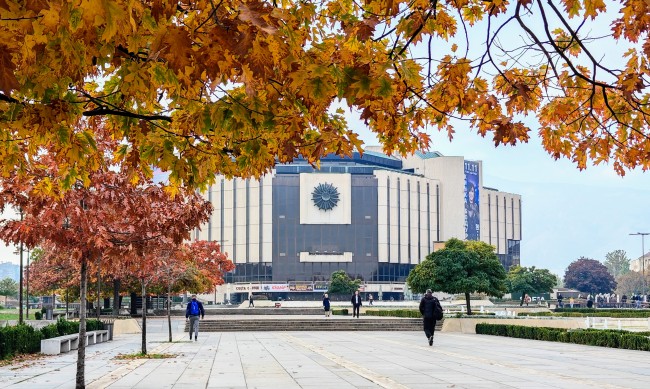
[372, 215]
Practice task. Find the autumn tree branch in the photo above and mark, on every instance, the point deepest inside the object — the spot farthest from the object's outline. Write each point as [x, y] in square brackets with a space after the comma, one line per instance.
[8, 99]
[105, 111]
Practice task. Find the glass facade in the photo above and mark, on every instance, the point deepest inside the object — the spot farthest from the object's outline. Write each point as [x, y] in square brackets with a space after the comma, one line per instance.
[249, 272]
[513, 257]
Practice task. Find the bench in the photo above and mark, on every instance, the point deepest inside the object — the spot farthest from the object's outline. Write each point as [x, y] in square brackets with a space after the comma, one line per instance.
[60, 344]
[99, 336]
[66, 343]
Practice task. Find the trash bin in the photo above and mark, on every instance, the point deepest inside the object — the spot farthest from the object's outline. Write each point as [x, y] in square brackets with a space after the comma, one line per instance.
[108, 325]
[49, 313]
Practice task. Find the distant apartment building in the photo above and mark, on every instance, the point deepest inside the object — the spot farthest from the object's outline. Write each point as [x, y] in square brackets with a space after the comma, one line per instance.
[9, 270]
[639, 263]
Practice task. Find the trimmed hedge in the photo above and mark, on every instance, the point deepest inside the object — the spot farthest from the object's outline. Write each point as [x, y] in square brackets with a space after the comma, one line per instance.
[414, 313]
[342, 312]
[24, 339]
[394, 312]
[592, 337]
[593, 313]
[611, 310]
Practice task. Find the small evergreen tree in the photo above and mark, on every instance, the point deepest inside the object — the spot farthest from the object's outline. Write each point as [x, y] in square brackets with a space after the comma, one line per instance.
[341, 283]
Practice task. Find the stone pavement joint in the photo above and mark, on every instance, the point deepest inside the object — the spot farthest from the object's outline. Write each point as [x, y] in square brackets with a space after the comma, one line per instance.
[378, 379]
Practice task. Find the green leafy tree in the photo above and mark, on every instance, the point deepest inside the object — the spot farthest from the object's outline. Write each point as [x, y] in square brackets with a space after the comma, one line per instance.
[341, 283]
[421, 277]
[530, 280]
[617, 263]
[8, 287]
[461, 267]
[589, 275]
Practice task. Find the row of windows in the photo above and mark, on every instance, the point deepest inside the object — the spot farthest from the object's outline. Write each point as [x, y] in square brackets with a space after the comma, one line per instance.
[383, 272]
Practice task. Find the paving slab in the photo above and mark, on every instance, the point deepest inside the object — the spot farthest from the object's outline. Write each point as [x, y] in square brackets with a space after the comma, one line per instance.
[336, 360]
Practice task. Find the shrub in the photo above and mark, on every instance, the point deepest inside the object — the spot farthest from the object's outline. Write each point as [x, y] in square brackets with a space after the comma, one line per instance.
[24, 339]
[19, 339]
[592, 337]
[38, 315]
[343, 311]
[394, 312]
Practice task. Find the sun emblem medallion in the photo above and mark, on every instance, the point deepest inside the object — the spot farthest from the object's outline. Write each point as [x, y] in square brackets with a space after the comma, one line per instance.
[325, 196]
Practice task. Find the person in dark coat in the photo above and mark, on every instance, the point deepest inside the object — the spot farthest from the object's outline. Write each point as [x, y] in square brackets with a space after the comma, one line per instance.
[427, 306]
[326, 305]
[356, 303]
[250, 301]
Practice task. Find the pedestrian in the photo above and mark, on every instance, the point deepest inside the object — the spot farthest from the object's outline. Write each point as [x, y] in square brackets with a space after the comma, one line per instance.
[430, 308]
[370, 298]
[527, 299]
[356, 303]
[559, 300]
[250, 301]
[193, 311]
[326, 305]
[571, 301]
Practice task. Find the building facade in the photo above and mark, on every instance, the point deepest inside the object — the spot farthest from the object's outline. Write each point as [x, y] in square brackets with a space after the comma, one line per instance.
[372, 215]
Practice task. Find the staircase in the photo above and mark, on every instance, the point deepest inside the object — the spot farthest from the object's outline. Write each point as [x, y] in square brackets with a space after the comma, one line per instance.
[311, 324]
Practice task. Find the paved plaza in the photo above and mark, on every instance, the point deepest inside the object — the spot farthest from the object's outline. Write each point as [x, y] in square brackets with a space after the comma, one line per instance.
[337, 360]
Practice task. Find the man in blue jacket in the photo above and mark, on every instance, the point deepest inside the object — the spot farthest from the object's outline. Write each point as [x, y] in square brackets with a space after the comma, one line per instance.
[194, 309]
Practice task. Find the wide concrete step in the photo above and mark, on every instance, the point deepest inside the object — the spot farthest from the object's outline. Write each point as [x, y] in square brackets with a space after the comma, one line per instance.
[248, 311]
[316, 324]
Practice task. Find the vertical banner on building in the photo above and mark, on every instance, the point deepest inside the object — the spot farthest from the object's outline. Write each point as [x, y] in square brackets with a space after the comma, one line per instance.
[472, 215]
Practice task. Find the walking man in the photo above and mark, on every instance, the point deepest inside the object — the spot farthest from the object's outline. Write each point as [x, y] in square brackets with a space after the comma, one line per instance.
[194, 309]
[250, 301]
[356, 303]
[431, 310]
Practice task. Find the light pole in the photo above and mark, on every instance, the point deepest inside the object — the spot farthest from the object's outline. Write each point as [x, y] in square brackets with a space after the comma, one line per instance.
[27, 284]
[20, 286]
[643, 235]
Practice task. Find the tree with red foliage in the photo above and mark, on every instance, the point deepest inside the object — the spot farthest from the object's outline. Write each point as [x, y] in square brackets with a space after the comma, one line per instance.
[589, 275]
[113, 212]
[198, 266]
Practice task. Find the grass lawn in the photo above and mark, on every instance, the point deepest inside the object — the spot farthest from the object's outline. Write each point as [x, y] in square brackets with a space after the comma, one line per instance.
[12, 314]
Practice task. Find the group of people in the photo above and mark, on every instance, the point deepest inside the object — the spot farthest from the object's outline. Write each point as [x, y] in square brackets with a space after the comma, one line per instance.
[356, 302]
[429, 305]
[606, 300]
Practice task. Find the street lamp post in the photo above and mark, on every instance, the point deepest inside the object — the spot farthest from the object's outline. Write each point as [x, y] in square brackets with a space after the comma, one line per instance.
[643, 235]
[20, 286]
[27, 284]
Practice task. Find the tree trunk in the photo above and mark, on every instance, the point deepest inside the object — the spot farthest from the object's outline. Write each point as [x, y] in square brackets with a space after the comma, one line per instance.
[144, 318]
[67, 303]
[134, 308]
[469, 310]
[116, 297]
[81, 352]
[99, 289]
[169, 311]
